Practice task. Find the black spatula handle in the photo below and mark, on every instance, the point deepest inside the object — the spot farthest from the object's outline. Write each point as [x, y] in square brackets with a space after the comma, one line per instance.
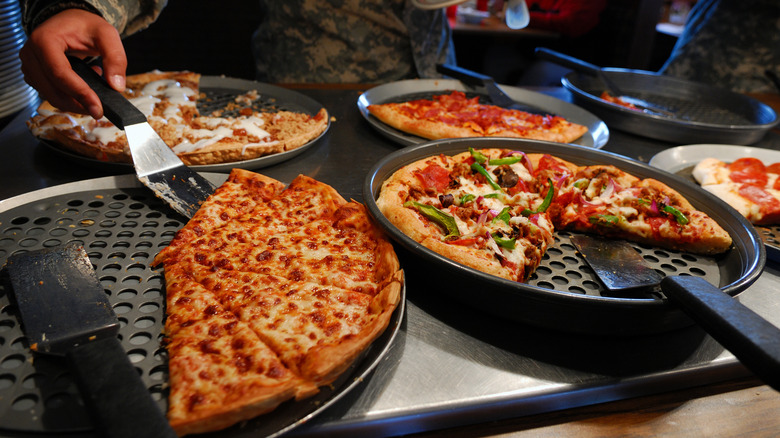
[567, 61]
[116, 107]
[468, 77]
[114, 393]
[752, 339]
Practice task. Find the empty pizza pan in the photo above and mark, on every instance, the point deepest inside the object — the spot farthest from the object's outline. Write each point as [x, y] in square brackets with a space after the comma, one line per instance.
[703, 114]
[564, 293]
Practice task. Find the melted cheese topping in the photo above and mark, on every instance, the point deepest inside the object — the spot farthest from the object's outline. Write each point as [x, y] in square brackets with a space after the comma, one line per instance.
[170, 97]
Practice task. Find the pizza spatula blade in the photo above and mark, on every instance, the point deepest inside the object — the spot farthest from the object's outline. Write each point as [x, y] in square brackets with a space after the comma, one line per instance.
[156, 165]
[65, 311]
[752, 339]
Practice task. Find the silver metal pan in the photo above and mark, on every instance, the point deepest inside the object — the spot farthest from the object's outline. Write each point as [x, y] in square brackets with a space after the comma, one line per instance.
[564, 293]
[693, 112]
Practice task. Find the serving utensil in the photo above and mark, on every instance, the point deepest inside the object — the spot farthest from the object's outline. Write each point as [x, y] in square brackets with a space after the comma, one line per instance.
[65, 312]
[610, 86]
[497, 96]
[752, 339]
[156, 165]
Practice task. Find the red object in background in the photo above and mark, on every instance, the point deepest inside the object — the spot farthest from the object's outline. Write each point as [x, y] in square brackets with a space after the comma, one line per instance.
[482, 5]
[452, 14]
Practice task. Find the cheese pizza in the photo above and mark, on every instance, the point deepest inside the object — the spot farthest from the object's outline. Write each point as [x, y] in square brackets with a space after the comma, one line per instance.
[271, 293]
[455, 115]
[169, 101]
[747, 184]
[495, 210]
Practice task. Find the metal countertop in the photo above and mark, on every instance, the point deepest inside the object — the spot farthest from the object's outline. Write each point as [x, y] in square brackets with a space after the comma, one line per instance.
[450, 366]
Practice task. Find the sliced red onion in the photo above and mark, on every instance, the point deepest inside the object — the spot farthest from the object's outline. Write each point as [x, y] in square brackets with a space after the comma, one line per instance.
[526, 161]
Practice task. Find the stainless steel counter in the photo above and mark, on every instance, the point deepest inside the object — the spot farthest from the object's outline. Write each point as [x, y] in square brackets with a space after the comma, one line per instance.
[450, 366]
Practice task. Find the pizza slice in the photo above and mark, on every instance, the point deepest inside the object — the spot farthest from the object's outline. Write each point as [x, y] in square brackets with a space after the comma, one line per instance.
[256, 205]
[317, 331]
[479, 208]
[747, 184]
[339, 250]
[605, 200]
[220, 372]
[209, 139]
[243, 191]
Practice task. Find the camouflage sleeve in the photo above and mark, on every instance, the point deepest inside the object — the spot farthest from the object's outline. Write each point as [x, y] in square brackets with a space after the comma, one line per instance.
[431, 39]
[127, 16]
[359, 41]
[729, 44]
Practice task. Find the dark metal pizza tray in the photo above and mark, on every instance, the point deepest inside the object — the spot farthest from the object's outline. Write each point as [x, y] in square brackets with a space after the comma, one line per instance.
[702, 113]
[400, 91]
[219, 92]
[564, 293]
[122, 226]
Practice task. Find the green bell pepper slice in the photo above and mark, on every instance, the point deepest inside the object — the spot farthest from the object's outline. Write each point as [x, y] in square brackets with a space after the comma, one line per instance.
[437, 216]
[481, 170]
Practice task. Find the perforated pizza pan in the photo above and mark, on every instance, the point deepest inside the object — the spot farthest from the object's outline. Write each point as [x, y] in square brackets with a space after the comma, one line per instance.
[564, 293]
[703, 114]
[122, 226]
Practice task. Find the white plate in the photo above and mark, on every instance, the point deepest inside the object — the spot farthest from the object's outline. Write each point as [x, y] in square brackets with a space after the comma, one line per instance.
[675, 159]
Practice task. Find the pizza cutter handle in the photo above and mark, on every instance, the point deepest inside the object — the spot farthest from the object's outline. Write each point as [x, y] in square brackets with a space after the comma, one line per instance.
[116, 107]
[752, 339]
[115, 395]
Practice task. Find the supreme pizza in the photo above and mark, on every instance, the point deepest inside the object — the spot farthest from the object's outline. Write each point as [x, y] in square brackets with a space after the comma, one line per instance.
[455, 115]
[495, 210]
[747, 184]
[169, 101]
[271, 293]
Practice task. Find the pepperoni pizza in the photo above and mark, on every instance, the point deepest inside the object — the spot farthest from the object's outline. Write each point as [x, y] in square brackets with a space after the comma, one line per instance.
[455, 115]
[747, 184]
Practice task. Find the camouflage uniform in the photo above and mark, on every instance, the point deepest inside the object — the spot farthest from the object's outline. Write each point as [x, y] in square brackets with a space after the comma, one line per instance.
[350, 41]
[342, 41]
[729, 44]
[127, 16]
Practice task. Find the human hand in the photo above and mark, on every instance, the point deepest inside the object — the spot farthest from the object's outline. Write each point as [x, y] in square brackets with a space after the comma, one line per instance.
[79, 33]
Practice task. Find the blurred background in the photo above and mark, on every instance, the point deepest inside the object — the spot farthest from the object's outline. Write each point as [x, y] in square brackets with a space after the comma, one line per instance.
[214, 38]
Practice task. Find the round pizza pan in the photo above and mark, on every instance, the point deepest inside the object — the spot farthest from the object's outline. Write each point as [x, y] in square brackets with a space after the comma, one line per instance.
[703, 114]
[564, 293]
[400, 91]
[122, 226]
[220, 91]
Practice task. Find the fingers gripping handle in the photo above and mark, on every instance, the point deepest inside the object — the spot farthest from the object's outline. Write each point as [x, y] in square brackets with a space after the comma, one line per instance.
[116, 107]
